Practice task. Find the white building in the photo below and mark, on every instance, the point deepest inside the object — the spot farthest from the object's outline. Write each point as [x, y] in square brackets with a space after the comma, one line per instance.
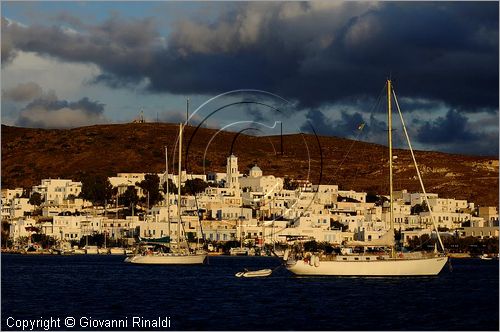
[479, 227]
[447, 204]
[124, 180]
[231, 213]
[9, 194]
[184, 177]
[489, 214]
[232, 181]
[19, 207]
[358, 196]
[70, 228]
[23, 227]
[219, 230]
[120, 228]
[450, 220]
[66, 206]
[54, 191]
[257, 182]
[419, 198]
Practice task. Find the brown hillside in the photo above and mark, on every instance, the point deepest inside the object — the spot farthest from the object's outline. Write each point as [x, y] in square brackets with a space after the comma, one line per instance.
[29, 155]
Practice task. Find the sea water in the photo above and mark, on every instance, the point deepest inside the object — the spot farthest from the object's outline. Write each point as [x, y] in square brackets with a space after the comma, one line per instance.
[101, 292]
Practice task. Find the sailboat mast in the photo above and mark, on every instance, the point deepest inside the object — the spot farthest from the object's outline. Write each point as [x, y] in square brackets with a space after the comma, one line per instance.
[389, 134]
[418, 172]
[179, 188]
[167, 197]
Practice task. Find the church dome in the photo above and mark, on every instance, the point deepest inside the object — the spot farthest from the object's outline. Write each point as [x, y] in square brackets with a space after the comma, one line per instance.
[255, 171]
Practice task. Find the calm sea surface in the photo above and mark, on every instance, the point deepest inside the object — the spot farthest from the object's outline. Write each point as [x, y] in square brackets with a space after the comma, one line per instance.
[210, 297]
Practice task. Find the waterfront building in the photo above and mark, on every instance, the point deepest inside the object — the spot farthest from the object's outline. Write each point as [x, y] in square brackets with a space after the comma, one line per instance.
[22, 227]
[73, 227]
[149, 229]
[479, 227]
[407, 235]
[253, 207]
[219, 230]
[261, 232]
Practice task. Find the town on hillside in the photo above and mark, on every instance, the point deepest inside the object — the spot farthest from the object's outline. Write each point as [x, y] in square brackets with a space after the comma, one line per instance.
[249, 212]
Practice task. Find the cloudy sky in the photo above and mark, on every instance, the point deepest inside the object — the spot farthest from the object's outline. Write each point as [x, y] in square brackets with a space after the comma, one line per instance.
[315, 66]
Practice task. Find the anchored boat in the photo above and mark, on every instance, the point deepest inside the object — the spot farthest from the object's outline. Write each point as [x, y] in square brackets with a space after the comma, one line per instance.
[386, 262]
[159, 252]
[254, 274]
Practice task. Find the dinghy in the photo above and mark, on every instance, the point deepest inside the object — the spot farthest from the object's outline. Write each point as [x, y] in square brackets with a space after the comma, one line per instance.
[254, 274]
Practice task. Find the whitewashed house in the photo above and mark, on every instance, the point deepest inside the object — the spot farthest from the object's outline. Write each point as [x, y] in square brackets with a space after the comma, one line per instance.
[54, 191]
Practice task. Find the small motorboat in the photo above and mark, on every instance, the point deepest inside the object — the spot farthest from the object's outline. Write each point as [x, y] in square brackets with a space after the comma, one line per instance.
[485, 257]
[254, 274]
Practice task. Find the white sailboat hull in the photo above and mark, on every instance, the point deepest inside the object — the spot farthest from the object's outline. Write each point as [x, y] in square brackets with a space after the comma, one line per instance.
[389, 267]
[168, 259]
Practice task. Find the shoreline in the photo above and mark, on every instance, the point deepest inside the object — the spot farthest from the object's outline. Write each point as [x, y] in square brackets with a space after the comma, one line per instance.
[44, 253]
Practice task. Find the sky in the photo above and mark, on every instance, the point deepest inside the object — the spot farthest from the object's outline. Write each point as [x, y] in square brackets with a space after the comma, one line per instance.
[317, 66]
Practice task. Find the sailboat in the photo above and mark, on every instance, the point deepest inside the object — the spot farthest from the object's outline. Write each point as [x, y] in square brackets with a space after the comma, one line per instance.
[387, 263]
[161, 254]
[241, 251]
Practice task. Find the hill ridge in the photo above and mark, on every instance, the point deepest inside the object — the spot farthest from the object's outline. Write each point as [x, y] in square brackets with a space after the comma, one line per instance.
[32, 154]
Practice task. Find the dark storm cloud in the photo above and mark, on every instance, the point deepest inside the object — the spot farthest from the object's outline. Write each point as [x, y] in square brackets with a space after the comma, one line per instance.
[314, 52]
[441, 56]
[452, 133]
[48, 111]
[435, 50]
[122, 48]
[349, 125]
[451, 128]
[455, 133]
